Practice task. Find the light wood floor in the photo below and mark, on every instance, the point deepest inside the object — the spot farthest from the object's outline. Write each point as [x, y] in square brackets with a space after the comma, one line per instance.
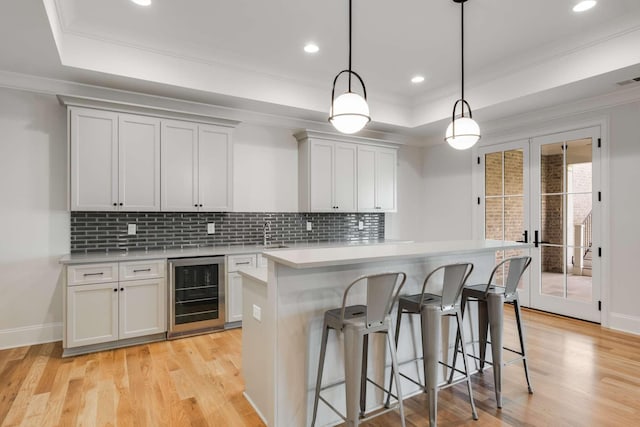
[582, 376]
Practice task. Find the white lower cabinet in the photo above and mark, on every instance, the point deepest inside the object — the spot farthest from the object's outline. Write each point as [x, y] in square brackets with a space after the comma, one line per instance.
[99, 313]
[92, 314]
[234, 285]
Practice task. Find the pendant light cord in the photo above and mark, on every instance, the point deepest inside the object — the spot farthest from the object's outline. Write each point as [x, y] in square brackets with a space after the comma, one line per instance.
[349, 45]
[462, 48]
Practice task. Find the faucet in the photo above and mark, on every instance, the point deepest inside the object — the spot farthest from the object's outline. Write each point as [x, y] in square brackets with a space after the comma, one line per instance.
[266, 229]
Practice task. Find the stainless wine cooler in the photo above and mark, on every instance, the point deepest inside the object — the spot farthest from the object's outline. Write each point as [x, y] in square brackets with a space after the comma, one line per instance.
[196, 296]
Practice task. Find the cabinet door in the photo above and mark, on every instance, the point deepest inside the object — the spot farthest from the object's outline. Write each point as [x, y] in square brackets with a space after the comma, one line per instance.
[139, 163]
[92, 314]
[142, 307]
[179, 174]
[94, 160]
[321, 176]
[214, 168]
[366, 178]
[345, 177]
[386, 179]
[234, 297]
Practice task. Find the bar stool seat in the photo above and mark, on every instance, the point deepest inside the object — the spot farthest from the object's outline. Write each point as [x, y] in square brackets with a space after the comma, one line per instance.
[432, 308]
[356, 323]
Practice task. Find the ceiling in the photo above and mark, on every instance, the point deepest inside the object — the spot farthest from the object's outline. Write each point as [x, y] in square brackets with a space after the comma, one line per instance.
[520, 55]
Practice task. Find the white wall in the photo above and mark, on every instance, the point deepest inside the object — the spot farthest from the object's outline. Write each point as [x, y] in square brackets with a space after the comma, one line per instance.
[408, 222]
[265, 169]
[34, 222]
[447, 193]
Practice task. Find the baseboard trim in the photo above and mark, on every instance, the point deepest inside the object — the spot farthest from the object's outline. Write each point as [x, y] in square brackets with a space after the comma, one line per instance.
[30, 335]
[625, 323]
[255, 408]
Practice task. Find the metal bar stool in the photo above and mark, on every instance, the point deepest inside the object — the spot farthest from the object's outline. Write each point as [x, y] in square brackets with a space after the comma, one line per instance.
[431, 309]
[491, 299]
[357, 322]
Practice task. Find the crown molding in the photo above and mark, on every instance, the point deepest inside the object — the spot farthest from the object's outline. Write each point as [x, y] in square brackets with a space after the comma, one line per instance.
[329, 136]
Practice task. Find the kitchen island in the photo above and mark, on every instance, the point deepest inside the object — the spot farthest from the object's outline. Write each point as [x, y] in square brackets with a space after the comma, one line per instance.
[284, 308]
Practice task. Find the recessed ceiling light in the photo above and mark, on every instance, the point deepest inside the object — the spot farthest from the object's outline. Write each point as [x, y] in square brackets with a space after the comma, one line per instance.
[142, 2]
[584, 5]
[417, 79]
[311, 48]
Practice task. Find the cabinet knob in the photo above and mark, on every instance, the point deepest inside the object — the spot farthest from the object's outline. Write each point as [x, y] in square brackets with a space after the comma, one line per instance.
[201, 205]
[115, 204]
[121, 203]
[196, 205]
[115, 290]
[121, 289]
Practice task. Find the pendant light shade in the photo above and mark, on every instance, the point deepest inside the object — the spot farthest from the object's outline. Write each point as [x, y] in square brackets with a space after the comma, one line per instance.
[349, 112]
[463, 132]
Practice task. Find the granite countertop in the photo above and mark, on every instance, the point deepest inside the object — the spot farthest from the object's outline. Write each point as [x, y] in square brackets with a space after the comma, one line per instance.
[325, 257]
[139, 255]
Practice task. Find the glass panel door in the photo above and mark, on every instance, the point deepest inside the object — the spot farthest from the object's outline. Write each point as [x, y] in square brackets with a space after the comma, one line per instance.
[562, 218]
[505, 198]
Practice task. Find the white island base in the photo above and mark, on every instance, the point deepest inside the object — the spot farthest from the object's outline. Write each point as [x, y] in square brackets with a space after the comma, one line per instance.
[283, 311]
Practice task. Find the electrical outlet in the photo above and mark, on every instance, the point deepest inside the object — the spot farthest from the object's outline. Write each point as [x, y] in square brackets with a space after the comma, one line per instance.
[257, 313]
[360, 225]
[309, 226]
[131, 229]
[211, 228]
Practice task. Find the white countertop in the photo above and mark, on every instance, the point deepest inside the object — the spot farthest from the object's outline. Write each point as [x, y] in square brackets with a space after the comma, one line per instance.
[135, 255]
[325, 257]
[257, 274]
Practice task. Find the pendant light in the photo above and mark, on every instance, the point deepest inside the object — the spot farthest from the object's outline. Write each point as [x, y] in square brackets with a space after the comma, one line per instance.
[463, 132]
[349, 112]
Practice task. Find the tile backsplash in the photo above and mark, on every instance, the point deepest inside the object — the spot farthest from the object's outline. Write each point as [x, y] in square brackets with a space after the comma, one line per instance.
[101, 231]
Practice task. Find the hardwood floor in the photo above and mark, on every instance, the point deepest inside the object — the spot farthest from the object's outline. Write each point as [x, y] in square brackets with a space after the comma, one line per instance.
[582, 376]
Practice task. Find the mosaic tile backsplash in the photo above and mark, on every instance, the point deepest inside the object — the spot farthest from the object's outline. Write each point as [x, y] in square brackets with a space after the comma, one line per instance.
[102, 231]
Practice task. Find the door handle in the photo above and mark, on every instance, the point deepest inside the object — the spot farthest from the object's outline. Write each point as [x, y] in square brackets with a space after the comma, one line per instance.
[537, 242]
[526, 237]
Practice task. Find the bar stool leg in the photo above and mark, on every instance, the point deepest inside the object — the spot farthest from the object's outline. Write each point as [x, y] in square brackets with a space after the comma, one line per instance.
[363, 376]
[353, 341]
[495, 304]
[323, 349]
[431, 337]
[395, 341]
[516, 306]
[483, 328]
[394, 368]
[466, 367]
[463, 302]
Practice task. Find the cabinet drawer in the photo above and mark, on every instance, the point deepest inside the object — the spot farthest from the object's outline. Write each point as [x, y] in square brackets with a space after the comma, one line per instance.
[234, 262]
[142, 270]
[85, 274]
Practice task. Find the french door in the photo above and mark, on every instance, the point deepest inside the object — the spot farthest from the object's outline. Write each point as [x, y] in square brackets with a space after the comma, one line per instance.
[541, 190]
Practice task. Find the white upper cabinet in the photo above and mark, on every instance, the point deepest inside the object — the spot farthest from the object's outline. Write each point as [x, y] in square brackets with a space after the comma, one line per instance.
[139, 163]
[377, 179]
[196, 167]
[214, 168]
[115, 161]
[349, 174]
[179, 166]
[94, 160]
[331, 176]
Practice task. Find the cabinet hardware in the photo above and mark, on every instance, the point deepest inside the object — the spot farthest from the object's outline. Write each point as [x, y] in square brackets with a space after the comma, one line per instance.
[115, 290]
[243, 263]
[121, 289]
[121, 203]
[141, 270]
[196, 205]
[115, 204]
[93, 274]
[201, 205]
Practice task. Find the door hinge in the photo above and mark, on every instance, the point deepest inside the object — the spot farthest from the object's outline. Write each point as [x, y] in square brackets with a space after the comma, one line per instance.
[599, 142]
[599, 305]
[478, 200]
[478, 159]
[600, 252]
